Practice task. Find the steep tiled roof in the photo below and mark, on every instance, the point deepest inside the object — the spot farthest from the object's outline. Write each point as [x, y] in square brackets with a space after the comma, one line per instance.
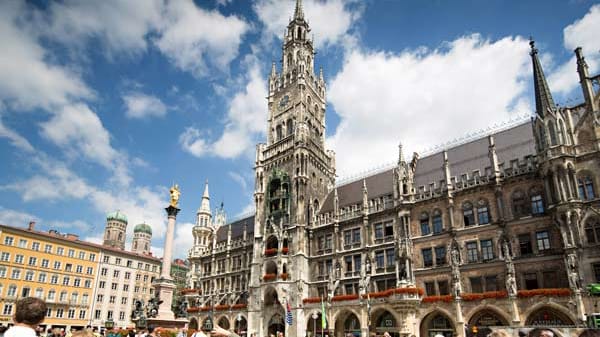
[513, 143]
[237, 229]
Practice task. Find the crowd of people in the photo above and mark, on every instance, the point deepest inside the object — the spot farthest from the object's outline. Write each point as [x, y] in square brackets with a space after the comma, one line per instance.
[31, 311]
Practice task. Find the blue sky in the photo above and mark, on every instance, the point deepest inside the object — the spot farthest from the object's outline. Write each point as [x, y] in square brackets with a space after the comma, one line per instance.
[104, 104]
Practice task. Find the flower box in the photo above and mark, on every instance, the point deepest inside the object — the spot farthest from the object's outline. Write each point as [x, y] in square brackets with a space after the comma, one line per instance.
[222, 307]
[193, 309]
[269, 277]
[270, 251]
[545, 292]
[283, 276]
[285, 250]
[485, 295]
[344, 297]
[442, 298]
[205, 308]
[390, 292]
[239, 306]
[311, 300]
[189, 291]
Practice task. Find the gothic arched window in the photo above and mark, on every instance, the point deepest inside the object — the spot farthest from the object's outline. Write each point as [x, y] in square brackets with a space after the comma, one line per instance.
[468, 215]
[436, 221]
[585, 186]
[519, 204]
[552, 131]
[483, 212]
[424, 221]
[290, 127]
[592, 230]
[537, 202]
[561, 132]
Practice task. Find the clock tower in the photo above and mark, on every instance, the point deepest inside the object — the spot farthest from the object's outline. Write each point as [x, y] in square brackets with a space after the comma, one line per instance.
[293, 175]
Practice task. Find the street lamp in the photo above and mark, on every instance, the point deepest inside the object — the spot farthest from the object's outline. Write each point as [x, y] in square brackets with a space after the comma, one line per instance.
[314, 317]
[109, 324]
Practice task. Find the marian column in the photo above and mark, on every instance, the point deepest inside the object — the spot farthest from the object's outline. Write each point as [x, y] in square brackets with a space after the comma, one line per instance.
[165, 286]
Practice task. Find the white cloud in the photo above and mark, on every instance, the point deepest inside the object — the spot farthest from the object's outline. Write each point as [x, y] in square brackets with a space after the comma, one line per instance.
[194, 38]
[140, 105]
[468, 84]
[28, 81]
[331, 20]
[581, 33]
[11, 217]
[245, 123]
[184, 240]
[122, 26]
[16, 139]
[238, 178]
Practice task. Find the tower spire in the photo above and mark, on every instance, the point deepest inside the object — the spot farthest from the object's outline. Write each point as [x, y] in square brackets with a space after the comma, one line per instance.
[205, 204]
[543, 97]
[299, 12]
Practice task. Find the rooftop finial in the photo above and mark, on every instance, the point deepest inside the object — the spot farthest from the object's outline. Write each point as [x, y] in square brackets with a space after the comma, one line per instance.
[299, 12]
[400, 154]
[532, 45]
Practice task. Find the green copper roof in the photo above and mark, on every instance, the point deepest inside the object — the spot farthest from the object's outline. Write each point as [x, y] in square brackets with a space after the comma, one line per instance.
[144, 228]
[116, 216]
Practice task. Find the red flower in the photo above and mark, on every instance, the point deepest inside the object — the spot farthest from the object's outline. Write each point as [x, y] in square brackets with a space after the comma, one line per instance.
[269, 277]
[270, 251]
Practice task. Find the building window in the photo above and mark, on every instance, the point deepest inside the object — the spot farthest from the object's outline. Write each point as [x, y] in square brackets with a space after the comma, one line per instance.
[487, 250]
[8, 240]
[103, 271]
[19, 259]
[116, 273]
[440, 256]
[586, 188]
[87, 283]
[99, 298]
[49, 312]
[118, 261]
[425, 229]
[427, 257]
[22, 243]
[60, 312]
[390, 257]
[32, 261]
[472, 252]
[54, 279]
[7, 310]
[56, 265]
[443, 287]
[109, 314]
[81, 314]
[79, 269]
[429, 288]
[483, 213]
[491, 283]
[66, 281]
[389, 229]
[5, 256]
[102, 284]
[47, 248]
[92, 257]
[45, 263]
[468, 216]
[436, 221]
[112, 299]
[123, 300]
[379, 259]
[525, 244]
[12, 291]
[121, 315]
[537, 204]
[60, 251]
[114, 286]
[379, 231]
[42, 278]
[596, 269]
[592, 230]
[106, 259]
[51, 294]
[476, 286]
[530, 280]
[29, 275]
[35, 246]
[77, 282]
[519, 204]
[550, 279]
[16, 274]
[97, 314]
[543, 240]
[89, 270]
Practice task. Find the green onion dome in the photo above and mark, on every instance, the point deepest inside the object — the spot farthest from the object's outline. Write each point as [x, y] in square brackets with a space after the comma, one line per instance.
[143, 228]
[118, 215]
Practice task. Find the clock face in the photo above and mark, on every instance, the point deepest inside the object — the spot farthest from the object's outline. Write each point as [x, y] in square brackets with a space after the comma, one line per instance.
[284, 101]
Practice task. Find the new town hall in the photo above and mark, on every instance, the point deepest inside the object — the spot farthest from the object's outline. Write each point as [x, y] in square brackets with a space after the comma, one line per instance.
[502, 230]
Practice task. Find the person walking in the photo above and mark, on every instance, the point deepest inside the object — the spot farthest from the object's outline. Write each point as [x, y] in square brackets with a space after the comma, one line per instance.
[30, 311]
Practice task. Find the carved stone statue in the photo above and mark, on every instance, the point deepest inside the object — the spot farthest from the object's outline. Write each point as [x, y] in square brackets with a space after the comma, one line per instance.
[511, 285]
[506, 251]
[138, 310]
[152, 307]
[175, 193]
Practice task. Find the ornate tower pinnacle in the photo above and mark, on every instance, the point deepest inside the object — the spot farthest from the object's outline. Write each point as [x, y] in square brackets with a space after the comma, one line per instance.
[299, 11]
[543, 97]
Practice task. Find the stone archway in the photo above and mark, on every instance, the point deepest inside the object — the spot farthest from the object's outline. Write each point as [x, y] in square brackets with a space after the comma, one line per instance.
[193, 325]
[314, 327]
[275, 324]
[347, 324]
[437, 323]
[241, 325]
[223, 322]
[384, 321]
[480, 322]
[548, 316]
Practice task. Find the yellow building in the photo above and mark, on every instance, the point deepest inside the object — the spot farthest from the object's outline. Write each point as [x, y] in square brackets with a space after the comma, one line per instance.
[53, 266]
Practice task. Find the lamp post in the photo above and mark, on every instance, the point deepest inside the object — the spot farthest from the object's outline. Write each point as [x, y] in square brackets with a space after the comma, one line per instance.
[314, 317]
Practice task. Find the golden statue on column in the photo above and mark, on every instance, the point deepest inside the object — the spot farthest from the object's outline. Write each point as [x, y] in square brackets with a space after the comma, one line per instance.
[175, 193]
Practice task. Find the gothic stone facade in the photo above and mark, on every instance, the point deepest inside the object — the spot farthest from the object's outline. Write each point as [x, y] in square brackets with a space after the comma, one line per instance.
[501, 230]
